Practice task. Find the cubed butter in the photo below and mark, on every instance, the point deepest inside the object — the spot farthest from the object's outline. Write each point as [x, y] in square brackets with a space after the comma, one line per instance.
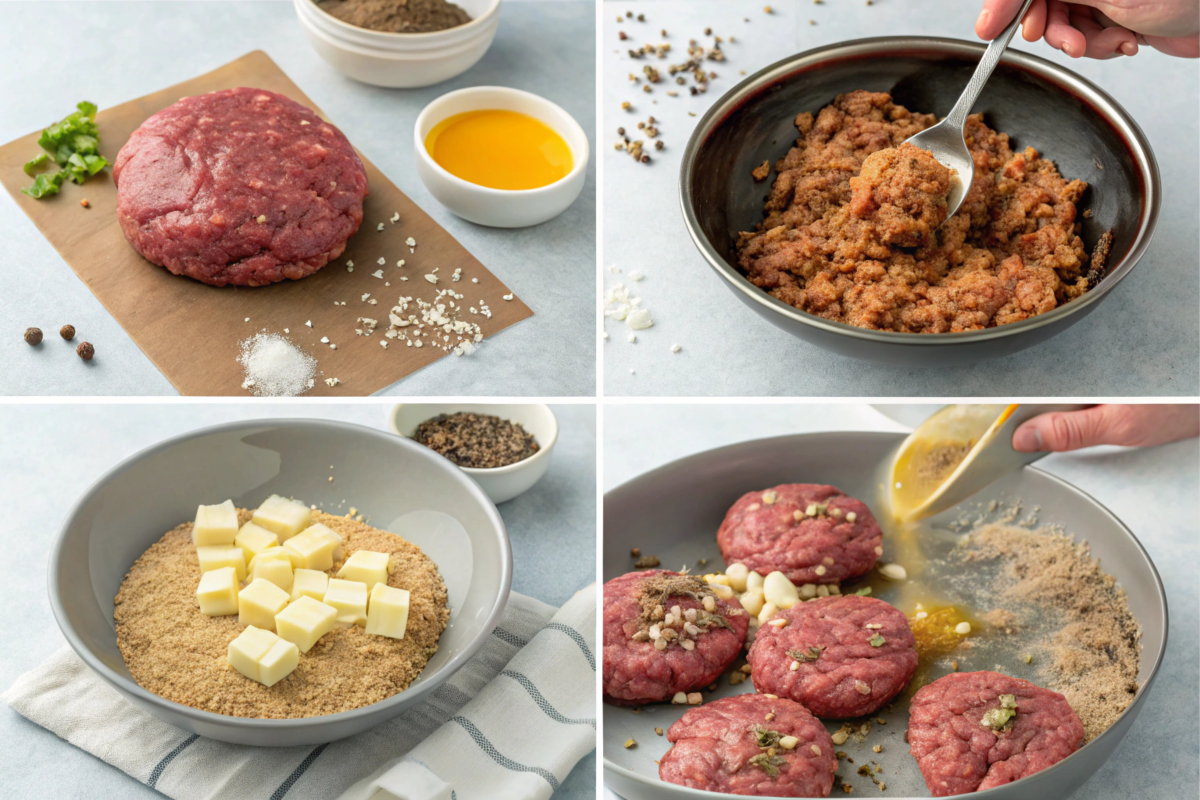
[310, 550]
[331, 535]
[259, 602]
[309, 583]
[304, 621]
[262, 656]
[218, 592]
[283, 517]
[387, 611]
[254, 539]
[274, 565]
[366, 567]
[215, 525]
[222, 555]
[350, 600]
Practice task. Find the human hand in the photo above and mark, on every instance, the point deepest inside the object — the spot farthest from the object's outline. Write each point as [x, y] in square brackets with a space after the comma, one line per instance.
[1126, 425]
[1100, 28]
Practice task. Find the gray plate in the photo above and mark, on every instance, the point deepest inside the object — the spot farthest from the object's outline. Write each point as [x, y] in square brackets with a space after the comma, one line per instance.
[1072, 121]
[674, 512]
[403, 487]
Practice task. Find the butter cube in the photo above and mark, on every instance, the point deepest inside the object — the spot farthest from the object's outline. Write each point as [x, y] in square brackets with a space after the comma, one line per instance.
[309, 583]
[253, 540]
[222, 555]
[366, 567]
[274, 565]
[331, 535]
[304, 621]
[310, 550]
[387, 611]
[262, 656]
[218, 592]
[350, 600]
[283, 517]
[215, 525]
[259, 602]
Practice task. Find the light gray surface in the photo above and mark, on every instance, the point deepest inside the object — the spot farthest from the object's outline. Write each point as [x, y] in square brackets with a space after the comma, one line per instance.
[115, 51]
[640, 437]
[1143, 340]
[52, 453]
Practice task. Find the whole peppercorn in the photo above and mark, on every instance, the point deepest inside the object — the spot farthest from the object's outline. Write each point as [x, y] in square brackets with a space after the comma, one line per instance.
[33, 335]
[67, 332]
[85, 351]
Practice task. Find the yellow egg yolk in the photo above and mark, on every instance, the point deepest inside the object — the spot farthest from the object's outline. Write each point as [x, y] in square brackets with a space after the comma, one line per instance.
[500, 150]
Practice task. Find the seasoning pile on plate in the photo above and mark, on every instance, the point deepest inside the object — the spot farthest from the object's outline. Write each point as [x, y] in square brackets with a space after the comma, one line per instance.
[478, 441]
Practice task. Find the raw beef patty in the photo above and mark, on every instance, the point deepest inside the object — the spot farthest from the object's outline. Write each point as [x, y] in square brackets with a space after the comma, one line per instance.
[642, 609]
[773, 530]
[955, 735]
[734, 746]
[839, 656]
[241, 186]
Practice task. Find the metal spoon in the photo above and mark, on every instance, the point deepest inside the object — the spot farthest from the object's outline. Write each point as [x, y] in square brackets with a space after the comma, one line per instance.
[945, 140]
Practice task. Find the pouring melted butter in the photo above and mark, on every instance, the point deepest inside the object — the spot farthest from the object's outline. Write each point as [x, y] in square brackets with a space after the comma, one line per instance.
[500, 150]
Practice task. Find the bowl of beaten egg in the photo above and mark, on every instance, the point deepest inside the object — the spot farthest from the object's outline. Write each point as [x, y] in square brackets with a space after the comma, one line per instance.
[500, 157]
[401, 487]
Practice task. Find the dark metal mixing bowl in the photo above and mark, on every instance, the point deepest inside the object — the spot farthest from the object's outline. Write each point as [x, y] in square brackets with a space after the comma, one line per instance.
[1040, 104]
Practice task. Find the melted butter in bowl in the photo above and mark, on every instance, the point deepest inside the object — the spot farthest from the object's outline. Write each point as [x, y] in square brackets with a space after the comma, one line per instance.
[500, 149]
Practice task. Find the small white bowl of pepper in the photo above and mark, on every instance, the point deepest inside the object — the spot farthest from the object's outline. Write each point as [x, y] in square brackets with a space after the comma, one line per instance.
[504, 447]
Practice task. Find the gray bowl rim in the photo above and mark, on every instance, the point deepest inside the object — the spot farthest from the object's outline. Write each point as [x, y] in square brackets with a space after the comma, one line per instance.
[271, 725]
[1095, 97]
[1133, 707]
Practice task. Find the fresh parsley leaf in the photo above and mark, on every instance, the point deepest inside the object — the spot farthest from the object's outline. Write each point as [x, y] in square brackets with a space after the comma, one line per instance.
[32, 164]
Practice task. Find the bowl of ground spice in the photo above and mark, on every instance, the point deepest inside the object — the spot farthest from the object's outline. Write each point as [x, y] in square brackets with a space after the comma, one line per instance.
[505, 448]
[124, 575]
[400, 43]
[782, 189]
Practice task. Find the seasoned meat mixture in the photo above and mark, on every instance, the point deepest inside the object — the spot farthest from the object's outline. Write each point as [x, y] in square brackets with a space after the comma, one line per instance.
[853, 226]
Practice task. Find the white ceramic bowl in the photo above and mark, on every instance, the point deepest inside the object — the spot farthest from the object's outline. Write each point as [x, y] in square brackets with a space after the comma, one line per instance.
[500, 483]
[500, 208]
[401, 60]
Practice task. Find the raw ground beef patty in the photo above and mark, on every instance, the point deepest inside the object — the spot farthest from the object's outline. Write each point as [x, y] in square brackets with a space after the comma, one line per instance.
[958, 753]
[640, 610]
[241, 186]
[732, 746]
[772, 530]
[852, 655]
[850, 230]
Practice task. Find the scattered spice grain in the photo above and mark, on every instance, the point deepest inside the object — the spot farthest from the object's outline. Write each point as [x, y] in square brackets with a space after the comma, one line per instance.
[85, 351]
[67, 332]
[33, 336]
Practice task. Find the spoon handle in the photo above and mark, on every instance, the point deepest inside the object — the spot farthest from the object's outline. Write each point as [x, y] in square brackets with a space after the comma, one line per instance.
[991, 57]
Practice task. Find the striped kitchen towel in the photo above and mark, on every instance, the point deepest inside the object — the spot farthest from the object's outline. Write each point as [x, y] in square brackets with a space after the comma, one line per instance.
[511, 723]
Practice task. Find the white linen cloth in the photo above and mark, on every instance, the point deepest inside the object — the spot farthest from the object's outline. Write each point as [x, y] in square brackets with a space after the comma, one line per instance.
[511, 723]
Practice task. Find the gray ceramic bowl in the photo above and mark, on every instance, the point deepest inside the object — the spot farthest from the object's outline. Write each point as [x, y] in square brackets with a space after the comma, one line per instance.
[675, 510]
[1040, 104]
[403, 487]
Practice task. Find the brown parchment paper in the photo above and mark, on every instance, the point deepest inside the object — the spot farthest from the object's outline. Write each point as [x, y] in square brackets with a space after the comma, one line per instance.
[191, 330]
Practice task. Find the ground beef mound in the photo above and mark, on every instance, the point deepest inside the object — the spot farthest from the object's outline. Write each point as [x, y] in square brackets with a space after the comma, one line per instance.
[635, 671]
[957, 753]
[854, 654]
[771, 530]
[239, 187]
[732, 746]
[851, 229]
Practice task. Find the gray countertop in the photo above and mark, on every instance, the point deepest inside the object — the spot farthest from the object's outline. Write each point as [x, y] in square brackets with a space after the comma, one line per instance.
[1159, 756]
[1143, 340]
[52, 453]
[53, 55]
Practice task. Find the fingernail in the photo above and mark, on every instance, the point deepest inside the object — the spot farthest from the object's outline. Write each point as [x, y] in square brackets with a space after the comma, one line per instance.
[1027, 439]
[1129, 48]
[984, 16]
